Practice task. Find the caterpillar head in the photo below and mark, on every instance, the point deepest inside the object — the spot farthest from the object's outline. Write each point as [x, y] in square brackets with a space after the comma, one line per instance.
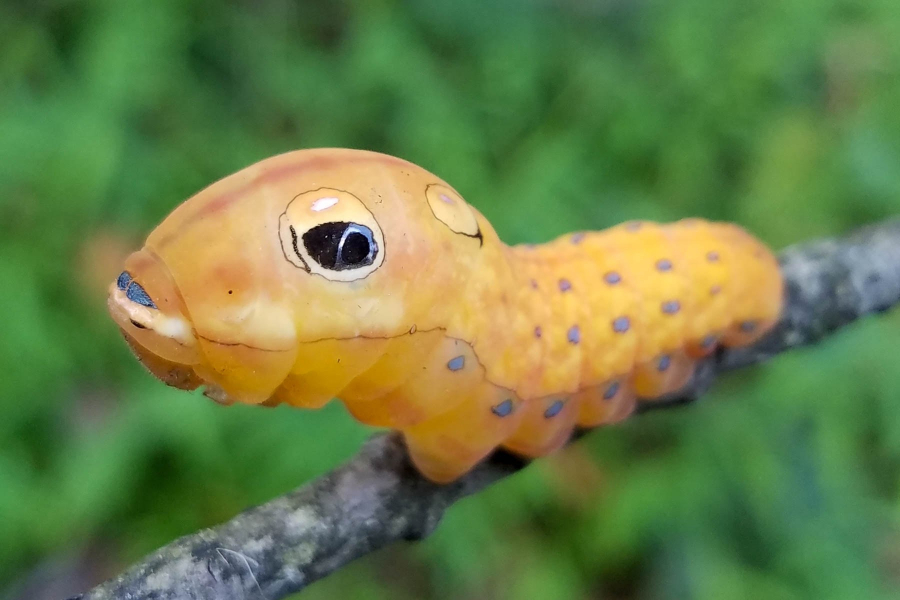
[302, 247]
[153, 319]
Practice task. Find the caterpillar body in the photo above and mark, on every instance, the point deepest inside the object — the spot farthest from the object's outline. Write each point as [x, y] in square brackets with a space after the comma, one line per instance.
[343, 273]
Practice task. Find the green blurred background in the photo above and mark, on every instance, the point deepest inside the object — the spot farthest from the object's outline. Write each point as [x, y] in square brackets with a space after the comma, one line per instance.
[549, 115]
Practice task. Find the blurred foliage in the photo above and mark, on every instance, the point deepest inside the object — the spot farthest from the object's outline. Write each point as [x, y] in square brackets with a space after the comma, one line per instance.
[549, 115]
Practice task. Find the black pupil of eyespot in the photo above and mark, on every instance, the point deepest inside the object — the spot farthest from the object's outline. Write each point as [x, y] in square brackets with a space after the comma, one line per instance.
[340, 245]
[355, 248]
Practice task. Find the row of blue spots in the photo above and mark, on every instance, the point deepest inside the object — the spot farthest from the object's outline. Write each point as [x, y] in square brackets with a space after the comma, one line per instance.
[505, 408]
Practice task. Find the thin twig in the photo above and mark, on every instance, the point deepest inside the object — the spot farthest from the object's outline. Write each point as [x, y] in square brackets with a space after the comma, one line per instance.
[377, 498]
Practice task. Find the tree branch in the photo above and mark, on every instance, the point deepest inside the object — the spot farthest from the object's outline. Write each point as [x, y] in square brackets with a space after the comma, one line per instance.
[377, 498]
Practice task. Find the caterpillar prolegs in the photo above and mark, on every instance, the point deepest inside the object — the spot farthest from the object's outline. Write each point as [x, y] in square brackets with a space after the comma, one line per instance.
[343, 273]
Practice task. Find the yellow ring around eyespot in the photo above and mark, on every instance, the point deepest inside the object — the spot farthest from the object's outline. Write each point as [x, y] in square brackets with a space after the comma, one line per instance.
[451, 210]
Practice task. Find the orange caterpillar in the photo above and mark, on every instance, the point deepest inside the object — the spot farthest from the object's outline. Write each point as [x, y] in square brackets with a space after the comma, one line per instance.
[343, 273]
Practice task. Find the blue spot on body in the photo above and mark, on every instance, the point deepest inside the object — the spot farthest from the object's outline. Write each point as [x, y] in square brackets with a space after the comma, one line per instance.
[537, 332]
[664, 264]
[621, 324]
[612, 278]
[708, 341]
[611, 391]
[748, 326]
[554, 409]
[457, 363]
[712, 256]
[123, 280]
[137, 294]
[504, 409]
[671, 307]
[574, 335]
[564, 285]
[714, 290]
[577, 237]
[664, 363]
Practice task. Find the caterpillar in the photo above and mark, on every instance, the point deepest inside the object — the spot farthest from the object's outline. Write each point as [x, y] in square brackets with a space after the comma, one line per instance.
[329, 273]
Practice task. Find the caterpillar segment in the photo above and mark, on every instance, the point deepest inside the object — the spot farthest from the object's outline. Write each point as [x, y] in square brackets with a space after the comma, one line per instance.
[341, 273]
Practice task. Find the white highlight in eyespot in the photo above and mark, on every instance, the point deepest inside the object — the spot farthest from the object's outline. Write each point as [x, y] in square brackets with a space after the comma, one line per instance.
[324, 203]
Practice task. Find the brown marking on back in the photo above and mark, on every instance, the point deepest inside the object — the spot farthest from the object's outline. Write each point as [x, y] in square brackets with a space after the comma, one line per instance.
[223, 201]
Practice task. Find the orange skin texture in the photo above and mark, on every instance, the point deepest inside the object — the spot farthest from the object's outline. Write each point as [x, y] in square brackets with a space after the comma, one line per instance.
[460, 342]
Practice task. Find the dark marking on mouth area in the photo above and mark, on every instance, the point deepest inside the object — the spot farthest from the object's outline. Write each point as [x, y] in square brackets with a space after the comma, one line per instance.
[123, 280]
[139, 295]
[138, 325]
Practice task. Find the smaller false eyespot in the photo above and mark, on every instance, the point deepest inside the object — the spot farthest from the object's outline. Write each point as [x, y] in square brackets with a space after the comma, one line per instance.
[452, 211]
[331, 233]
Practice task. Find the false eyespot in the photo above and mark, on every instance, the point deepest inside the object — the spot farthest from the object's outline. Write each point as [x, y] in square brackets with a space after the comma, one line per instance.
[452, 211]
[331, 233]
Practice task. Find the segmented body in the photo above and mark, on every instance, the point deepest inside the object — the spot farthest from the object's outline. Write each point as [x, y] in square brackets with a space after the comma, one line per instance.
[440, 331]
